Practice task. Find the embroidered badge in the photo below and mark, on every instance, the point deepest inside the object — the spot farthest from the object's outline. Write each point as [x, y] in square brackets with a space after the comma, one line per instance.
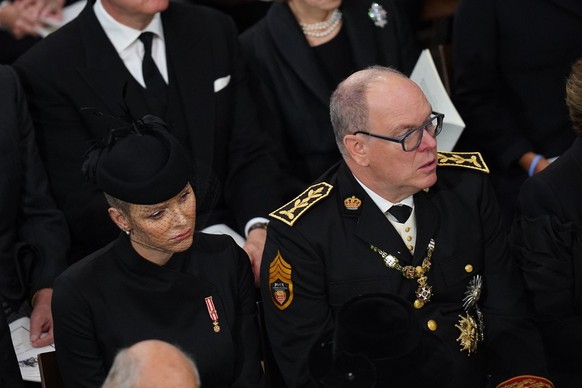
[280, 283]
[290, 212]
[472, 160]
[212, 313]
[378, 15]
[352, 203]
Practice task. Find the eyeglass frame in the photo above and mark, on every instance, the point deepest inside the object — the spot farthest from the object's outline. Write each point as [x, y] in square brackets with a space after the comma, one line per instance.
[439, 128]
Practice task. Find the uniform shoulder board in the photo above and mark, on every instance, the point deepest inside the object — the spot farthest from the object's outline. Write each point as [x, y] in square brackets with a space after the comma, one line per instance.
[290, 212]
[472, 160]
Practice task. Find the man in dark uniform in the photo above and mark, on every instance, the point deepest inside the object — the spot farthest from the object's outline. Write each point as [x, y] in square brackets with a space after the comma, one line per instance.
[447, 255]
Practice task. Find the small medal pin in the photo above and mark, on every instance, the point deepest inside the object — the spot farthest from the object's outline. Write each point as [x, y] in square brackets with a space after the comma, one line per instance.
[213, 314]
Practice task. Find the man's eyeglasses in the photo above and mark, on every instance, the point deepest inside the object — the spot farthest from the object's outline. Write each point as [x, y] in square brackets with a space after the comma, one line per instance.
[411, 139]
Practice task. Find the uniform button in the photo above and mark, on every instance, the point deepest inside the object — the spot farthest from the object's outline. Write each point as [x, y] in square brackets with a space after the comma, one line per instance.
[432, 325]
[410, 247]
[469, 268]
[409, 238]
[407, 229]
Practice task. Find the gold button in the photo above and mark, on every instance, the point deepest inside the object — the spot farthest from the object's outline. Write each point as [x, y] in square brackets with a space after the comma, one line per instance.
[418, 304]
[408, 238]
[432, 325]
[469, 268]
[407, 229]
[410, 247]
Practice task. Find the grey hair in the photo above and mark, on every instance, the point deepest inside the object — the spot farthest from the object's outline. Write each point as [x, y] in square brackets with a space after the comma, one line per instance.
[124, 372]
[349, 106]
[127, 368]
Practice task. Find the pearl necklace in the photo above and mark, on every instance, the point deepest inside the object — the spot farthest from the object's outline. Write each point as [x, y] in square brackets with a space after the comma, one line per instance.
[321, 29]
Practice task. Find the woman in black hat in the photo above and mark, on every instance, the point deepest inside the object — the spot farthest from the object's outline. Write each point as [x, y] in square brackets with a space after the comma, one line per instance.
[160, 279]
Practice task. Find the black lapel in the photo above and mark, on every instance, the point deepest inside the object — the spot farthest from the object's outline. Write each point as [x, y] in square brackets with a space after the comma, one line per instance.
[191, 70]
[372, 225]
[293, 46]
[104, 71]
[361, 33]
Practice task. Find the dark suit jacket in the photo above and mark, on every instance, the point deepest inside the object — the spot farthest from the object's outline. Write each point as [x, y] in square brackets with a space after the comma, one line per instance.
[293, 87]
[330, 261]
[511, 61]
[33, 233]
[548, 242]
[77, 67]
[115, 298]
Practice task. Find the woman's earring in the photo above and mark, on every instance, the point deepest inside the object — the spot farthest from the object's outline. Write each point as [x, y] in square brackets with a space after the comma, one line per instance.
[127, 232]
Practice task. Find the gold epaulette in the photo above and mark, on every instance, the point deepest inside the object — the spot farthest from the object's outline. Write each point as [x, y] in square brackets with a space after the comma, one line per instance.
[290, 212]
[472, 160]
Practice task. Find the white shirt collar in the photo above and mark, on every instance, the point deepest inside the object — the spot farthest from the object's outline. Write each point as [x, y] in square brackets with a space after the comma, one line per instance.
[120, 35]
[384, 204]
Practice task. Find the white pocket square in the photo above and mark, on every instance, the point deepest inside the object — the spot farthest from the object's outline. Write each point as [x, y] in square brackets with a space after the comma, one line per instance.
[220, 83]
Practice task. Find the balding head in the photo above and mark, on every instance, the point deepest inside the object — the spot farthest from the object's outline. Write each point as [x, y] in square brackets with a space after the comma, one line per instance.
[151, 364]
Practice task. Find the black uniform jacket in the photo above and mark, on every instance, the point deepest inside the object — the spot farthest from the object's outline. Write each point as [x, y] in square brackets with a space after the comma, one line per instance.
[77, 67]
[115, 298]
[294, 87]
[33, 233]
[548, 242]
[328, 260]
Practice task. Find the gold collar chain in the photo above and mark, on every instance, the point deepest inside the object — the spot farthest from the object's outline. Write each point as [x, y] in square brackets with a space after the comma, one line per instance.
[424, 291]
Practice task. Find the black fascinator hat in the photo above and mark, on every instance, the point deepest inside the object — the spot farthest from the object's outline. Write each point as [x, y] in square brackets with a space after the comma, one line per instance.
[142, 163]
[378, 342]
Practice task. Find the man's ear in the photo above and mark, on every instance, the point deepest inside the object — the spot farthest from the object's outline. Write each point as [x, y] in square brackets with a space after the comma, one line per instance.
[357, 149]
[119, 218]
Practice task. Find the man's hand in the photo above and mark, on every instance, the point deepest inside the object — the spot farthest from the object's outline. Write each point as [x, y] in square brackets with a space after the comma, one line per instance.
[254, 247]
[41, 318]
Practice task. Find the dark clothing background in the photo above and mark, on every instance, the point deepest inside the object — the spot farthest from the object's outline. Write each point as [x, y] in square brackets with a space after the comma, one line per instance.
[548, 246]
[115, 298]
[292, 86]
[33, 233]
[328, 251]
[511, 61]
[77, 67]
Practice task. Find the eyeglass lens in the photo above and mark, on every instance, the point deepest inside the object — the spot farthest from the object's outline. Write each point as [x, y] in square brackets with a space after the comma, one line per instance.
[413, 139]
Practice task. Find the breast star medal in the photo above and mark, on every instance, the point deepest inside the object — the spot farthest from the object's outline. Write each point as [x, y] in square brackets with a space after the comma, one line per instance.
[213, 314]
[420, 273]
[472, 324]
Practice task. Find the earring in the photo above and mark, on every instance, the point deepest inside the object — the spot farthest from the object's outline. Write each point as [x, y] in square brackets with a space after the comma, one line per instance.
[127, 232]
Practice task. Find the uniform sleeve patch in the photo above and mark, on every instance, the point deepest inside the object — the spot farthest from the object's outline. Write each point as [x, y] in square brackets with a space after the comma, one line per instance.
[526, 381]
[472, 160]
[290, 212]
[280, 283]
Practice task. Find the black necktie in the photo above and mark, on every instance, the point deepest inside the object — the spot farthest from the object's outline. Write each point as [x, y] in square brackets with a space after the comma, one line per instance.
[154, 81]
[400, 212]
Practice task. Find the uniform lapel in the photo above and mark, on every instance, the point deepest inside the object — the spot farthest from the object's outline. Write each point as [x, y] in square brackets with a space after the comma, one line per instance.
[372, 226]
[291, 45]
[427, 220]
